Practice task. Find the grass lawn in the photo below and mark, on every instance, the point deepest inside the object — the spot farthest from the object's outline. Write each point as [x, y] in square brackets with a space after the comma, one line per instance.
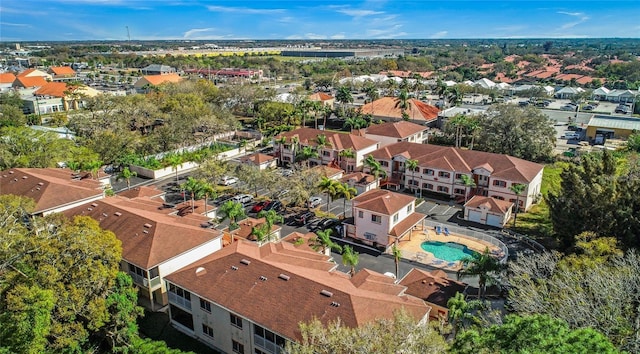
[536, 223]
[155, 325]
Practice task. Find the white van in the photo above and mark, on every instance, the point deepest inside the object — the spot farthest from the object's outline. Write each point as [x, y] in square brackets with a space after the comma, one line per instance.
[570, 135]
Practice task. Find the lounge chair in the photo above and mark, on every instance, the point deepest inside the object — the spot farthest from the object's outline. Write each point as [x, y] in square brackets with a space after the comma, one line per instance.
[446, 231]
[437, 261]
[451, 264]
[438, 230]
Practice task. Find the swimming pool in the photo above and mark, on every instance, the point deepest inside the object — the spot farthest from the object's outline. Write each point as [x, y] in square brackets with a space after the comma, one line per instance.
[447, 251]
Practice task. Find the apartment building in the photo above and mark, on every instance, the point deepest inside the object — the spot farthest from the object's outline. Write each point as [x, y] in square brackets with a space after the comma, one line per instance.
[440, 170]
[251, 299]
[395, 132]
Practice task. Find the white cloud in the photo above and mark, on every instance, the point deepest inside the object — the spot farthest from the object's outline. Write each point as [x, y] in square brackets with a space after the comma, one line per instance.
[438, 35]
[315, 36]
[245, 10]
[338, 36]
[359, 13]
[581, 17]
[391, 32]
[193, 31]
[15, 24]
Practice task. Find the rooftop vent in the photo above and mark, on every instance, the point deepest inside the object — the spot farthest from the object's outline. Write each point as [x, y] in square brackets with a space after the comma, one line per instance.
[40, 184]
[145, 231]
[284, 277]
[25, 177]
[263, 278]
[335, 304]
[234, 267]
[89, 209]
[105, 214]
[326, 293]
[148, 226]
[200, 271]
[117, 213]
[37, 188]
[245, 261]
[94, 204]
[11, 172]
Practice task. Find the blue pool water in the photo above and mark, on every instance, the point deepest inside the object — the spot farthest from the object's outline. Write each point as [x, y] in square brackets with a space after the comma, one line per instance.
[447, 251]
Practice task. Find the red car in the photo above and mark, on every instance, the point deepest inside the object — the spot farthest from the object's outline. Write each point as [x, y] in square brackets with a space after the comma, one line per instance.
[261, 205]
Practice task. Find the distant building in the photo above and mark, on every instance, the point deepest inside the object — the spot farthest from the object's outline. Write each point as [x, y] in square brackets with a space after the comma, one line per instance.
[62, 73]
[145, 83]
[342, 53]
[395, 132]
[157, 69]
[388, 109]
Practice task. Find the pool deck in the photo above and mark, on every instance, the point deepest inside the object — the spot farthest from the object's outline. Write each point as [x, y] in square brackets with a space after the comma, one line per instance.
[412, 250]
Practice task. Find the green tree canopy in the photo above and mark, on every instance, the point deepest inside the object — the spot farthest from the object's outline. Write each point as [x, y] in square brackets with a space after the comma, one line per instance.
[532, 334]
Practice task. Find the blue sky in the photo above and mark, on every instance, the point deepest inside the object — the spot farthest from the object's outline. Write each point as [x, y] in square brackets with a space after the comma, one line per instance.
[28, 20]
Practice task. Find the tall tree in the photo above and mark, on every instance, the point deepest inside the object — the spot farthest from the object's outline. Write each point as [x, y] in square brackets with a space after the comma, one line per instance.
[232, 211]
[375, 168]
[517, 189]
[330, 187]
[306, 153]
[126, 174]
[412, 165]
[483, 265]
[346, 192]
[323, 242]
[396, 252]
[344, 97]
[350, 258]
[468, 182]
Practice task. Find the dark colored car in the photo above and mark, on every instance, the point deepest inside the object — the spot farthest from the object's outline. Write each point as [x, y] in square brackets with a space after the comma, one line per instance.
[327, 223]
[260, 206]
[274, 205]
[304, 218]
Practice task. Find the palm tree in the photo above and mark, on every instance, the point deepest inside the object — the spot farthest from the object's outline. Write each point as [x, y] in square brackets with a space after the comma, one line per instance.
[261, 233]
[375, 168]
[460, 311]
[482, 265]
[411, 165]
[372, 94]
[397, 255]
[208, 191]
[343, 96]
[455, 96]
[468, 182]
[126, 174]
[192, 186]
[271, 217]
[403, 102]
[232, 211]
[350, 258]
[281, 141]
[322, 142]
[175, 161]
[346, 154]
[517, 189]
[327, 111]
[323, 242]
[329, 186]
[307, 153]
[347, 193]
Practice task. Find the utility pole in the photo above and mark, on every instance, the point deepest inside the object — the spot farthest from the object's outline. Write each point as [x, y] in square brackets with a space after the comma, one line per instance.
[128, 35]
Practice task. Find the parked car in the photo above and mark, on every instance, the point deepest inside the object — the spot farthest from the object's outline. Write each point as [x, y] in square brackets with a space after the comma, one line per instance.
[286, 172]
[314, 202]
[523, 103]
[221, 199]
[304, 218]
[570, 135]
[260, 206]
[326, 223]
[243, 198]
[568, 107]
[228, 180]
[274, 205]
[623, 109]
[588, 108]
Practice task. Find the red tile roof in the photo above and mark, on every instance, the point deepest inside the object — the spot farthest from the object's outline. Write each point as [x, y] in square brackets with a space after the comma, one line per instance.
[382, 201]
[320, 96]
[7, 78]
[160, 79]
[407, 224]
[401, 129]
[433, 287]
[53, 89]
[359, 178]
[257, 158]
[149, 236]
[338, 141]
[142, 191]
[492, 204]
[283, 278]
[26, 72]
[29, 81]
[50, 188]
[460, 160]
[389, 107]
[62, 71]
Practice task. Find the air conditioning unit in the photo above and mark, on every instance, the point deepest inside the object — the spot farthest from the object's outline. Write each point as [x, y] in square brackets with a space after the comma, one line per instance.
[145, 282]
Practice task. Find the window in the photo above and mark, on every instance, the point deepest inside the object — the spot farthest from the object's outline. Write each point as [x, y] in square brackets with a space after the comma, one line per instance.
[395, 218]
[154, 272]
[499, 183]
[180, 292]
[360, 214]
[138, 271]
[428, 186]
[376, 219]
[409, 208]
[428, 172]
[442, 189]
[458, 175]
[208, 331]
[205, 305]
[444, 174]
[258, 351]
[235, 320]
[458, 191]
[384, 163]
[269, 336]
[369, 236]
[237, 347]
[326, 153]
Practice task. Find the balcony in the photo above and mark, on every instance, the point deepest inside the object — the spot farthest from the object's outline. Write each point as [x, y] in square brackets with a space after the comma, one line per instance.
[179, 300]
[267, 345]
[140, 280]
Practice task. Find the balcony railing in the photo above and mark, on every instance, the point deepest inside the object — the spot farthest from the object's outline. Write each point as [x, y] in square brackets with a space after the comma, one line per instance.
[155, 282]
[179, 300]
[267, 345]
[140, 280]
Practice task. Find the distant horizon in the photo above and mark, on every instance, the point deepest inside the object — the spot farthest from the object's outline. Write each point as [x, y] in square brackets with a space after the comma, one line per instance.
[148, 20]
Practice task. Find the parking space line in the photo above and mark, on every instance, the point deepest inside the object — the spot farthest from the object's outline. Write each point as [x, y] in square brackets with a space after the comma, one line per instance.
[435, 206]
